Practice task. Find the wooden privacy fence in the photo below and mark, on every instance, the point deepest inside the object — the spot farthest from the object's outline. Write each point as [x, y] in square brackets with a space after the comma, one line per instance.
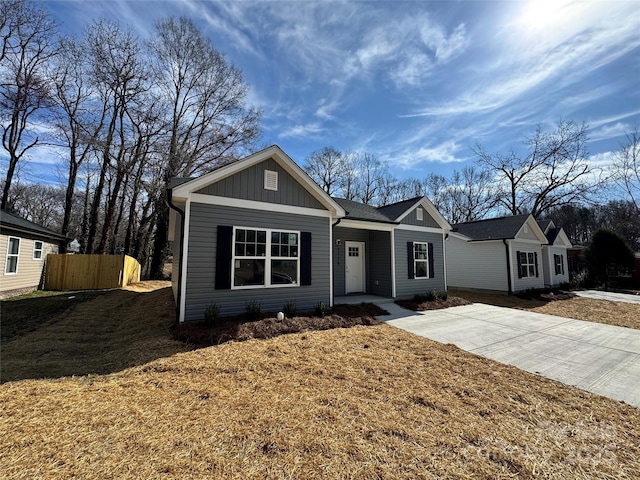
[83, 272]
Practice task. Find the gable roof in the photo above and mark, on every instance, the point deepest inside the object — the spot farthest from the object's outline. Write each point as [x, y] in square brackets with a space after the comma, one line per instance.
[360, 211]
[395, 210]
[493, 228]
[14, 222]
[182, 188]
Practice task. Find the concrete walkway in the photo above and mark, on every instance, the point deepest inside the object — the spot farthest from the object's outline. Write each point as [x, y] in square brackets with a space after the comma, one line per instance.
[599, 358]
[612, 296]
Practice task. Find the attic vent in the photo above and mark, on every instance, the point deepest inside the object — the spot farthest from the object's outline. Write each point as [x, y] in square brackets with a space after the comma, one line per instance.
[419, 214]
[270, 180]
[526, 228]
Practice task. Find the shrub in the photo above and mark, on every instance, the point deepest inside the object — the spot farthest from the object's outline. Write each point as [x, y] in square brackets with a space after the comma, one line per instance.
[289, 309]
[321, 310]
[211, 314]
[253, 310]
[419, 298]
[430, 296]
[442, 295]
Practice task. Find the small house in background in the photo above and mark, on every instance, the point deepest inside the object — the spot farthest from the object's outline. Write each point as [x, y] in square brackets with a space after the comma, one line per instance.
[261, 230]
[74, 246]
[498, 254]
[555, 254]
[24, 247]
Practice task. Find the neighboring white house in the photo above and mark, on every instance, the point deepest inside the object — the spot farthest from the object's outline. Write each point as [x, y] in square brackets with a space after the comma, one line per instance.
[499, 254]
[554, 254]
[24, 246]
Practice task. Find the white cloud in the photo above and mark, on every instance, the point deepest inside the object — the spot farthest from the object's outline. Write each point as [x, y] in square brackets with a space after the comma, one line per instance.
[302, 131]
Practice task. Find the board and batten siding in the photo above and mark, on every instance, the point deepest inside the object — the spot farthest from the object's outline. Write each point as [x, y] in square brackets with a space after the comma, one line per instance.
[30, 271]
[477, 265]
[405, 286]
[526, 283]
[248, 184]
[427, 220]
[201, 261]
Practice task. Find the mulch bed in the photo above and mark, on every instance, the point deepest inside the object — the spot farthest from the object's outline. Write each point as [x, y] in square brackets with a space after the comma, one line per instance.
[239, 329]
[546, 295]
[436, 304]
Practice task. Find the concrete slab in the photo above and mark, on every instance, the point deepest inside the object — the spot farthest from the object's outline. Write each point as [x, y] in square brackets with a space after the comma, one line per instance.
[599, 358]
[612, 296]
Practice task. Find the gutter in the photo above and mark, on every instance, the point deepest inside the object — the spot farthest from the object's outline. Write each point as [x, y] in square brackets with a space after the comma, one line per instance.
[506, 249]
[180, 256]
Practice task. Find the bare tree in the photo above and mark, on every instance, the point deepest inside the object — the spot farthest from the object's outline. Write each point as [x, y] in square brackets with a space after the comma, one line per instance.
[370, 174]
[470, 194]
[554, 172]
[326, 167]
[626, 167]
[208, 120]
[28, 38]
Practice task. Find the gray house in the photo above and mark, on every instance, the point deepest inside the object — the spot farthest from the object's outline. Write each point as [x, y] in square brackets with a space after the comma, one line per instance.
[260, 229]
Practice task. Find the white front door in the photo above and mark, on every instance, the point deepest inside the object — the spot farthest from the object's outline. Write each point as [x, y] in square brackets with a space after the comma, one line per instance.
[354, 267]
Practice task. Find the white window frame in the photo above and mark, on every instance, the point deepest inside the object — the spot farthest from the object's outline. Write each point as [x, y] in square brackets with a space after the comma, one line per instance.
[37, 252]
[419, 214]
[424, 260]
[267, 257]
[559, 264]
[527, 267]
[12, 255]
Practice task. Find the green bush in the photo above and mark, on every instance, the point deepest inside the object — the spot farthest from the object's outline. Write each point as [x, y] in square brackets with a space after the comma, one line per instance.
[442, 295]
[321, 310]
[430, 295]
[253, 310]
[289, 309]
[419, 297]
[211, 314]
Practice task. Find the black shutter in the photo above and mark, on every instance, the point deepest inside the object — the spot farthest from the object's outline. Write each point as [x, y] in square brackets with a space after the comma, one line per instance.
[410, 265]
[519, 264]
[432, 272]
[562, 263]
[305, 258]
[535, 257]
[224, 253]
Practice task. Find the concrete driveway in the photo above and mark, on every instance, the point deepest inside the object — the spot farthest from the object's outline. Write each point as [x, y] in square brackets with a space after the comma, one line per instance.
[612, 296]
[599, 358]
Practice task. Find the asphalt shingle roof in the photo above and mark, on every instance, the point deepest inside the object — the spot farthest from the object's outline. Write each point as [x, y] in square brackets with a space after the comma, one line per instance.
[394, 210]
[492, 228]
[360, 211]
[11, 220]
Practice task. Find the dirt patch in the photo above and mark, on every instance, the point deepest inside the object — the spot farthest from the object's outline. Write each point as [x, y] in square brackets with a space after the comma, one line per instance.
[238, 329]
[437, 304]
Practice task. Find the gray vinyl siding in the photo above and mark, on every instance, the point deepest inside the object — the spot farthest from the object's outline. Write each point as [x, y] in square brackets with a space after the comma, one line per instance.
[405, 286]
[526, 283]
[380, 264]
[347, 235]
[201, 261]
[477, 265]
[175, 266]
[427, 220]
[248, 184]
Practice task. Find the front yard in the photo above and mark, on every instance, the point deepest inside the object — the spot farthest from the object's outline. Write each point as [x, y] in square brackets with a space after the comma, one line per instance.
[361, 402]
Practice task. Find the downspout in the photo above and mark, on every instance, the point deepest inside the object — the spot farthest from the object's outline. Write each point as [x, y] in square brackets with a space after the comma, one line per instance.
[506, 248]
[179, 290]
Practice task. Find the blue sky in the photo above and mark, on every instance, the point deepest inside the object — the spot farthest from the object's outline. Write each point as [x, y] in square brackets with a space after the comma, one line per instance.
[416, 83]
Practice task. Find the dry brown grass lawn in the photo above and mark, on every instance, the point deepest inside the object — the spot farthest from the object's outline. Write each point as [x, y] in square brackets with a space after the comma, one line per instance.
[588, 309]
[364, 403]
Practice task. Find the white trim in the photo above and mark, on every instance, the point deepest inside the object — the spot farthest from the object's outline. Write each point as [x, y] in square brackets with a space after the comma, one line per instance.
[526, 240]
[393, 264]
[185, 257]
[431, 210]
[267, 257]
[255, 205]
[364, 225]
[417, 228]
[535, 229]
[511, 269]
[363, 262]
[330, 263]
[17, 255]
[419, 214]
[415, 275]
[41, 250]
[280, 157]
[444, 260]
